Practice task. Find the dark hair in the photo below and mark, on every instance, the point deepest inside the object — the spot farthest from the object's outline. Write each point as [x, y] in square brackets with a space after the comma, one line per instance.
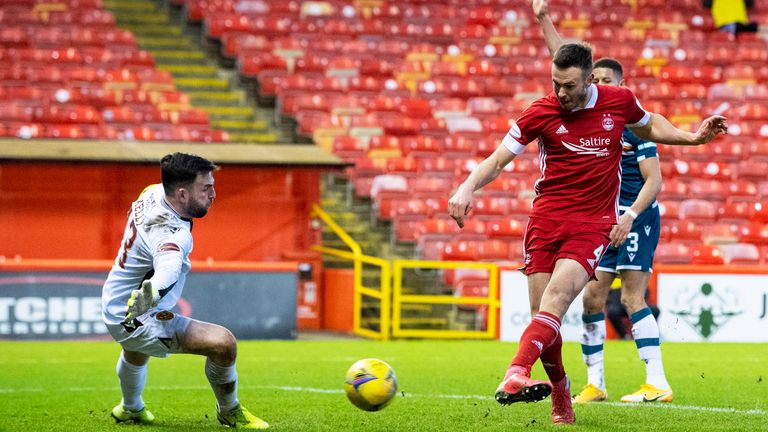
[181, 169]
[612, 64]
[574, 55]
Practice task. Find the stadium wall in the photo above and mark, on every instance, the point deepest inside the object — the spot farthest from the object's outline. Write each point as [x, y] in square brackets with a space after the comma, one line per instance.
[43, 299]
[73, 210]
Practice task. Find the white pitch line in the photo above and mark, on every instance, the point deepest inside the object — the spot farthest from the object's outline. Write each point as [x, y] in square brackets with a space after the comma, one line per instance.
[668, 406]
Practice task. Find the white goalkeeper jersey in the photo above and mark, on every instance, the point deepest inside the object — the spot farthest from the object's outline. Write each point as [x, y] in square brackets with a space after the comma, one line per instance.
[156, 246]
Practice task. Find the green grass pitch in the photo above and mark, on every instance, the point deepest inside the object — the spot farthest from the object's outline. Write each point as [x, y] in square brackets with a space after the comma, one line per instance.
[443, 386]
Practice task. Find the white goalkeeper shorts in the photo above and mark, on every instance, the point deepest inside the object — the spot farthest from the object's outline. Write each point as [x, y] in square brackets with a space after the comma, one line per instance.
[156, 333]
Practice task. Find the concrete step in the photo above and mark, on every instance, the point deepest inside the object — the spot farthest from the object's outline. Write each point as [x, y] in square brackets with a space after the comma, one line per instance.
[229, 112]
[194, 83]
[190, 69]
[152, 29]
[241, 126]
[164, 43]
[253, 138]
[177, 56]
[217, 98]
[130, 6]
[141, 17]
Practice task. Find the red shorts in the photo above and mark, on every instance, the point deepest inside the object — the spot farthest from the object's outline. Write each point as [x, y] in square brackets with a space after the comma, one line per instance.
[547, 241]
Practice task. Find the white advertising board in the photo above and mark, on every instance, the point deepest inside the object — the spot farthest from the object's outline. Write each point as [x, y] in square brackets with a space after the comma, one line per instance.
[515, 311]
[713, 307]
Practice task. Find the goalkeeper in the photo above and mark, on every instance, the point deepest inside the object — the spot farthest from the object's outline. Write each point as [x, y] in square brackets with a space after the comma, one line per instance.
[145, 283]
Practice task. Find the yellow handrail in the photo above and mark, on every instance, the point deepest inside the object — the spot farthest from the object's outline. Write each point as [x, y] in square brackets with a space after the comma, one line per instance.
[390, 292]
[384, 294]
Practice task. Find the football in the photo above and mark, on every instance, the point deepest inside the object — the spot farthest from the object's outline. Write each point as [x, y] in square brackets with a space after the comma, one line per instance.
[370, 384]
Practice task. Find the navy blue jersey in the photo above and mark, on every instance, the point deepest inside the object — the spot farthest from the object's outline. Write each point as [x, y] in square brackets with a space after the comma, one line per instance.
[635, 150]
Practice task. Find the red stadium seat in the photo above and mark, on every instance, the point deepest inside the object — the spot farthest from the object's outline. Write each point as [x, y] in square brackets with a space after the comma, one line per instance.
[721, 232]
[672, 253]
[669, 210]
[493, 250]
[761, 213]
[673, 189]
[67, 114]
[420, 146]
[429, 186]
[490, 206]
[755, 233]
[706, 190]
[697, 210]
[506, 229]
[458, 146]
[682, 231]
[736, 211]
[740, 253]
[441, 167]
[706, 255]
[407, 229]
[460, 251]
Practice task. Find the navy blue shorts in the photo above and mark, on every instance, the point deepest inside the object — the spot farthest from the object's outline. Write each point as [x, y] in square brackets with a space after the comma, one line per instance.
[637, 252]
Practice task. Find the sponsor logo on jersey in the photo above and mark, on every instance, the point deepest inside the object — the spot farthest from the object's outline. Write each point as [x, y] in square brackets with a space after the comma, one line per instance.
[586, 146]
[608, 122]
[514, 131]
[168, 247]
[647, 230]
[561, 130]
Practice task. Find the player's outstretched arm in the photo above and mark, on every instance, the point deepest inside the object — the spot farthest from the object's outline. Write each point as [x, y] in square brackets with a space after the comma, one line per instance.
[660, 130]
[650, 170]
[461, 202]
[551, 36]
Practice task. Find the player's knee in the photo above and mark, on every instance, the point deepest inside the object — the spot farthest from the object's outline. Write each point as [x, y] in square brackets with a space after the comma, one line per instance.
[593, 302]
[225, 347]
[557, 301]
[632, 303]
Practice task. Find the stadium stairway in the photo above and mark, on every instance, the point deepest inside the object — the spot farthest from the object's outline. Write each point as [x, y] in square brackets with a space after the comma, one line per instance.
[215, 90]
[357, 217]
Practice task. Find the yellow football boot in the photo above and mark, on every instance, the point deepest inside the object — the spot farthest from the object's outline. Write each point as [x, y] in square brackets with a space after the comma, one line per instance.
[649, 393]
[241, 418]
[122, 414]
[590, 393]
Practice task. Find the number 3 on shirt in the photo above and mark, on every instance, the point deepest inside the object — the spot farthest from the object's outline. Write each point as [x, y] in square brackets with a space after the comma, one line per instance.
[632, 245]
[127, 245]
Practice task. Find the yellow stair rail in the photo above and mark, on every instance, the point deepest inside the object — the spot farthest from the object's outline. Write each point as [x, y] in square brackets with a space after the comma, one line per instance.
[393, 300]
[383, 294]
[400, 299]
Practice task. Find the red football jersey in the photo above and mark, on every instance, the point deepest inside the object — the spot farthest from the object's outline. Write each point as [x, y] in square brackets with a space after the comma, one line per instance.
[579, 153]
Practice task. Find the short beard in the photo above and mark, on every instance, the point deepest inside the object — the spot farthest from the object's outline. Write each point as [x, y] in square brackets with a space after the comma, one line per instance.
[197, 211]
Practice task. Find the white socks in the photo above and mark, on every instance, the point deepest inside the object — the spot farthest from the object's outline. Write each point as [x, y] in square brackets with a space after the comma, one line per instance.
[223, 381]
[132, 380]
[592, 340]
[646, 334]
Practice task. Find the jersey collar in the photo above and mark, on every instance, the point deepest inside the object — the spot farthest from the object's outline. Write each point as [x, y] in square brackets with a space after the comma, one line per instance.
[591, 98]
[168, 206]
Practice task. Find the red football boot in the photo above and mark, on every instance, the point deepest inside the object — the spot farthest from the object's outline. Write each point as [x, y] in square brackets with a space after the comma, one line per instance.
[518, 386]
[562, 411]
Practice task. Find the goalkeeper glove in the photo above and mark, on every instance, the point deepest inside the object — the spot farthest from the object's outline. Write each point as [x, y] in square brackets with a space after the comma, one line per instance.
[141, 301]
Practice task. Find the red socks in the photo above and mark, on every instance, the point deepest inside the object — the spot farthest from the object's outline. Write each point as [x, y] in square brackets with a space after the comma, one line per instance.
[541, 339]
[552, 359]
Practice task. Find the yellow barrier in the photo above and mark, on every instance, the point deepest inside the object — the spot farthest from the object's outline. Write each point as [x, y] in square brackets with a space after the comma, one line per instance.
[399, 299]
[390, 291]
[383, 294]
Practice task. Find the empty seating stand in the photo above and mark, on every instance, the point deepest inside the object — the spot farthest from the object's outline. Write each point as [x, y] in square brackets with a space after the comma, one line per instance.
[68, 72]
[426, 89]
